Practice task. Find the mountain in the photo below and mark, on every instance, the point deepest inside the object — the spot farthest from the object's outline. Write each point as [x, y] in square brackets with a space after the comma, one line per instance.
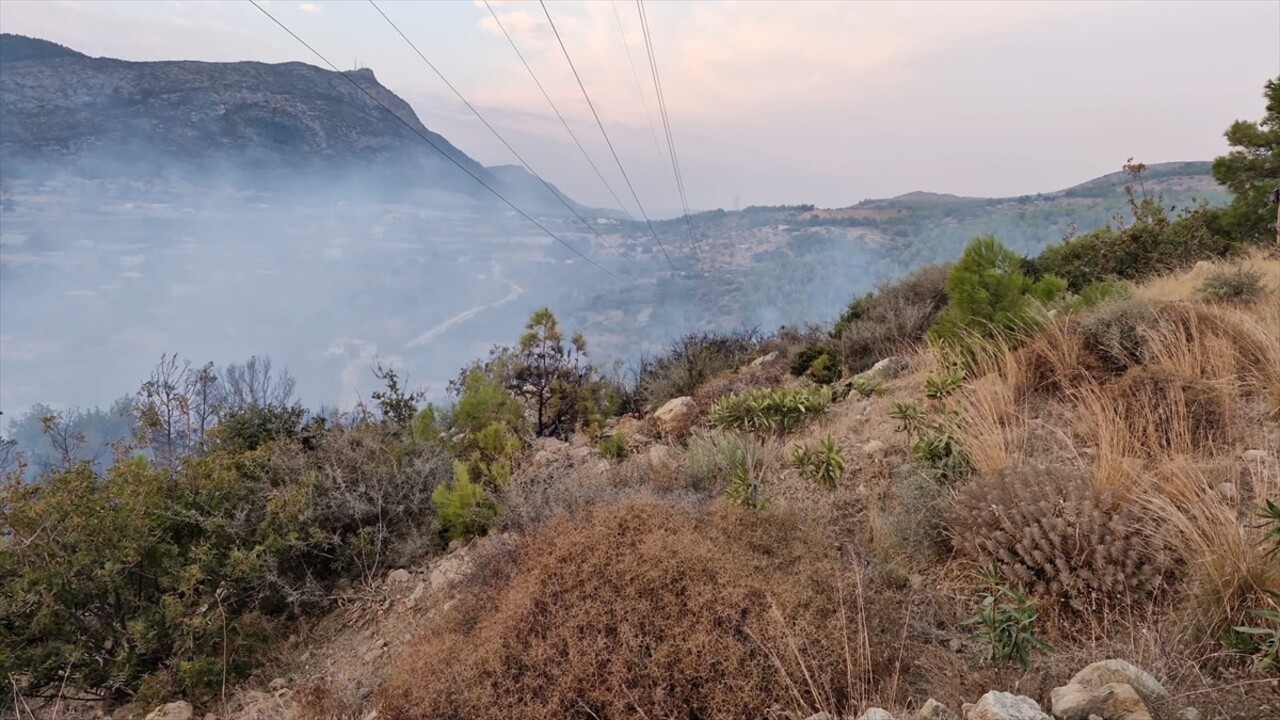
[101, 116]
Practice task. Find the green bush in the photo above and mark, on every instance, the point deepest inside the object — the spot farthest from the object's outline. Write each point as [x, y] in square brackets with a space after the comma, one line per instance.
[143, 580]
[988, 296]
[1006, 623]
[463, 508]
[819, 363]
[615, 446]
[711, 457]
[824, 465]
[1239, 284]
[770, 410]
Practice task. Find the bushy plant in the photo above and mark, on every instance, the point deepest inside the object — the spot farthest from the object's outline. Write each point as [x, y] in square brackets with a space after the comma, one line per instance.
[1116, 333]
[891, 319]
[935, 442]
[463, 508]
[943, 384]
[770, 410]
[712, 457]
[615, 446]
[1045, 530]
[866, 387]
[1006, 622]
[689, 362]
[988, 296]
[819, 363]
[1237, 285]
[824, 465]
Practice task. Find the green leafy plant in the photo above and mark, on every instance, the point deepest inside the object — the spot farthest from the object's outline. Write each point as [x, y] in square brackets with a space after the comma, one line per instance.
[770, 410]
[1271, 517]
[866, 388]
[746, 481]
[823, 465]
[1263, 643]
[819, 363]
[463, 508]
[615, 446]
[1006, 622]
[939, 386]
[911, 418]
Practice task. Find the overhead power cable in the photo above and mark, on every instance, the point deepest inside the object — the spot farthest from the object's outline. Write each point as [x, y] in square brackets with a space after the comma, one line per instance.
[607, 141]
[482, 119]
[555, 109]
[666, 121]
[433, 145]
[644, 102]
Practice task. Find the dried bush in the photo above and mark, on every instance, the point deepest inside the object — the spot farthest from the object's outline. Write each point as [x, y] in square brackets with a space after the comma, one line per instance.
[690, 361]
[1167, 414]
[1115, 333]
[1238, 284]
[646, 610]
[1045, 530]
[893, 318]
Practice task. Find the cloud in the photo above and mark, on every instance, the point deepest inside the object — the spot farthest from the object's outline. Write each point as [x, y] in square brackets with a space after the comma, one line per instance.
[310, 8]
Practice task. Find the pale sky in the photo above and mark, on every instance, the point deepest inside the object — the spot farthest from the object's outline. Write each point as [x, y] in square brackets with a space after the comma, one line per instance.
[769, 102]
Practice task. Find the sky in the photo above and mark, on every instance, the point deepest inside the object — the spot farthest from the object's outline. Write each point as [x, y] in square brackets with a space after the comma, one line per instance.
[769, 102]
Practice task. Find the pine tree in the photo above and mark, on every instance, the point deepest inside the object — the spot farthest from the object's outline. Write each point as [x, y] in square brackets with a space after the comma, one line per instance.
[1251, 171]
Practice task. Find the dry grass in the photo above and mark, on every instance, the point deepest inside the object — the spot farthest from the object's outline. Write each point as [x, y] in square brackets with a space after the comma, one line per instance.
[647, 610]
[1213, 530]
[1183, 286]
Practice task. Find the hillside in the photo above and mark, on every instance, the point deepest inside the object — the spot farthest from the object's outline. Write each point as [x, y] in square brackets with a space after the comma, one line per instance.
[68, 113]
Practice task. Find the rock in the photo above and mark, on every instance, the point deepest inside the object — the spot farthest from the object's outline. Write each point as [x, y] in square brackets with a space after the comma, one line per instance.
[450, 567]
[955, 644]
[997, 705]
[398, 576]
[180, 710]
[1254, 456]
[415, 596]
[1105, 672]
[934, 710]
[875, 713]
[875, 448]
[1188, 713]
[1113, 701]
[764, 359]
[630, 427]
[660, 457]
[887, 369]
[674, 416]
[277, 684]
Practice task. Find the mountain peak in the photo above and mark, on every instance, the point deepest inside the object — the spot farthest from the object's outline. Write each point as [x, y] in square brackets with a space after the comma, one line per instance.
[16, 48]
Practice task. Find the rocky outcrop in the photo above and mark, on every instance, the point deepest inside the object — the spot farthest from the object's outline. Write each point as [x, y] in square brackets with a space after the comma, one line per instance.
[675, 416]
[1107, 672]
[1114, 701]
[997, 705]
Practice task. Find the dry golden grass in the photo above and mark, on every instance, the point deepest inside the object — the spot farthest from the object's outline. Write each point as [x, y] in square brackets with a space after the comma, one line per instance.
[1183, 286]
[642, 609]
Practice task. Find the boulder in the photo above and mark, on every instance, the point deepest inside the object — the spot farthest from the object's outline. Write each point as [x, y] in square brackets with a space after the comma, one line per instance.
[660, 457]
[675, 416]
[887, 369]
[997, 705]
[934, 710]
[180, 710]
[764, 359]
[875, 713]
[630, 427]
[1106, 672]
[398, 576]
[1114, 701]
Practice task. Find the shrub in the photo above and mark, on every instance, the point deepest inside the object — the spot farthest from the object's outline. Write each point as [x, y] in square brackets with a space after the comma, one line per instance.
[483, 401]
[711, 458]
[1167, 414]
[823, 465]
[615, 446]
[988, 296]
[463, 508]
[865, 387]
[770, 410]
[891, 319]
[1043, 529]
[1116, 333]
[690, 361]
[819, 363]
[1239, 284]
[1096, 293]
[1006, 622]
[642, 609]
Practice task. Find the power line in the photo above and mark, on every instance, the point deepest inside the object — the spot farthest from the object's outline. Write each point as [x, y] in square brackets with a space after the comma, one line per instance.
[609, 142]
[550, 102]
[428, 141]
[482, 119]
[666, 121]
[635, 75]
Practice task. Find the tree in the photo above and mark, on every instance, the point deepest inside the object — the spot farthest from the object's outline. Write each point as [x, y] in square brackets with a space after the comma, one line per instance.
[1251, 170]
[254, 383]
[553, 378]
